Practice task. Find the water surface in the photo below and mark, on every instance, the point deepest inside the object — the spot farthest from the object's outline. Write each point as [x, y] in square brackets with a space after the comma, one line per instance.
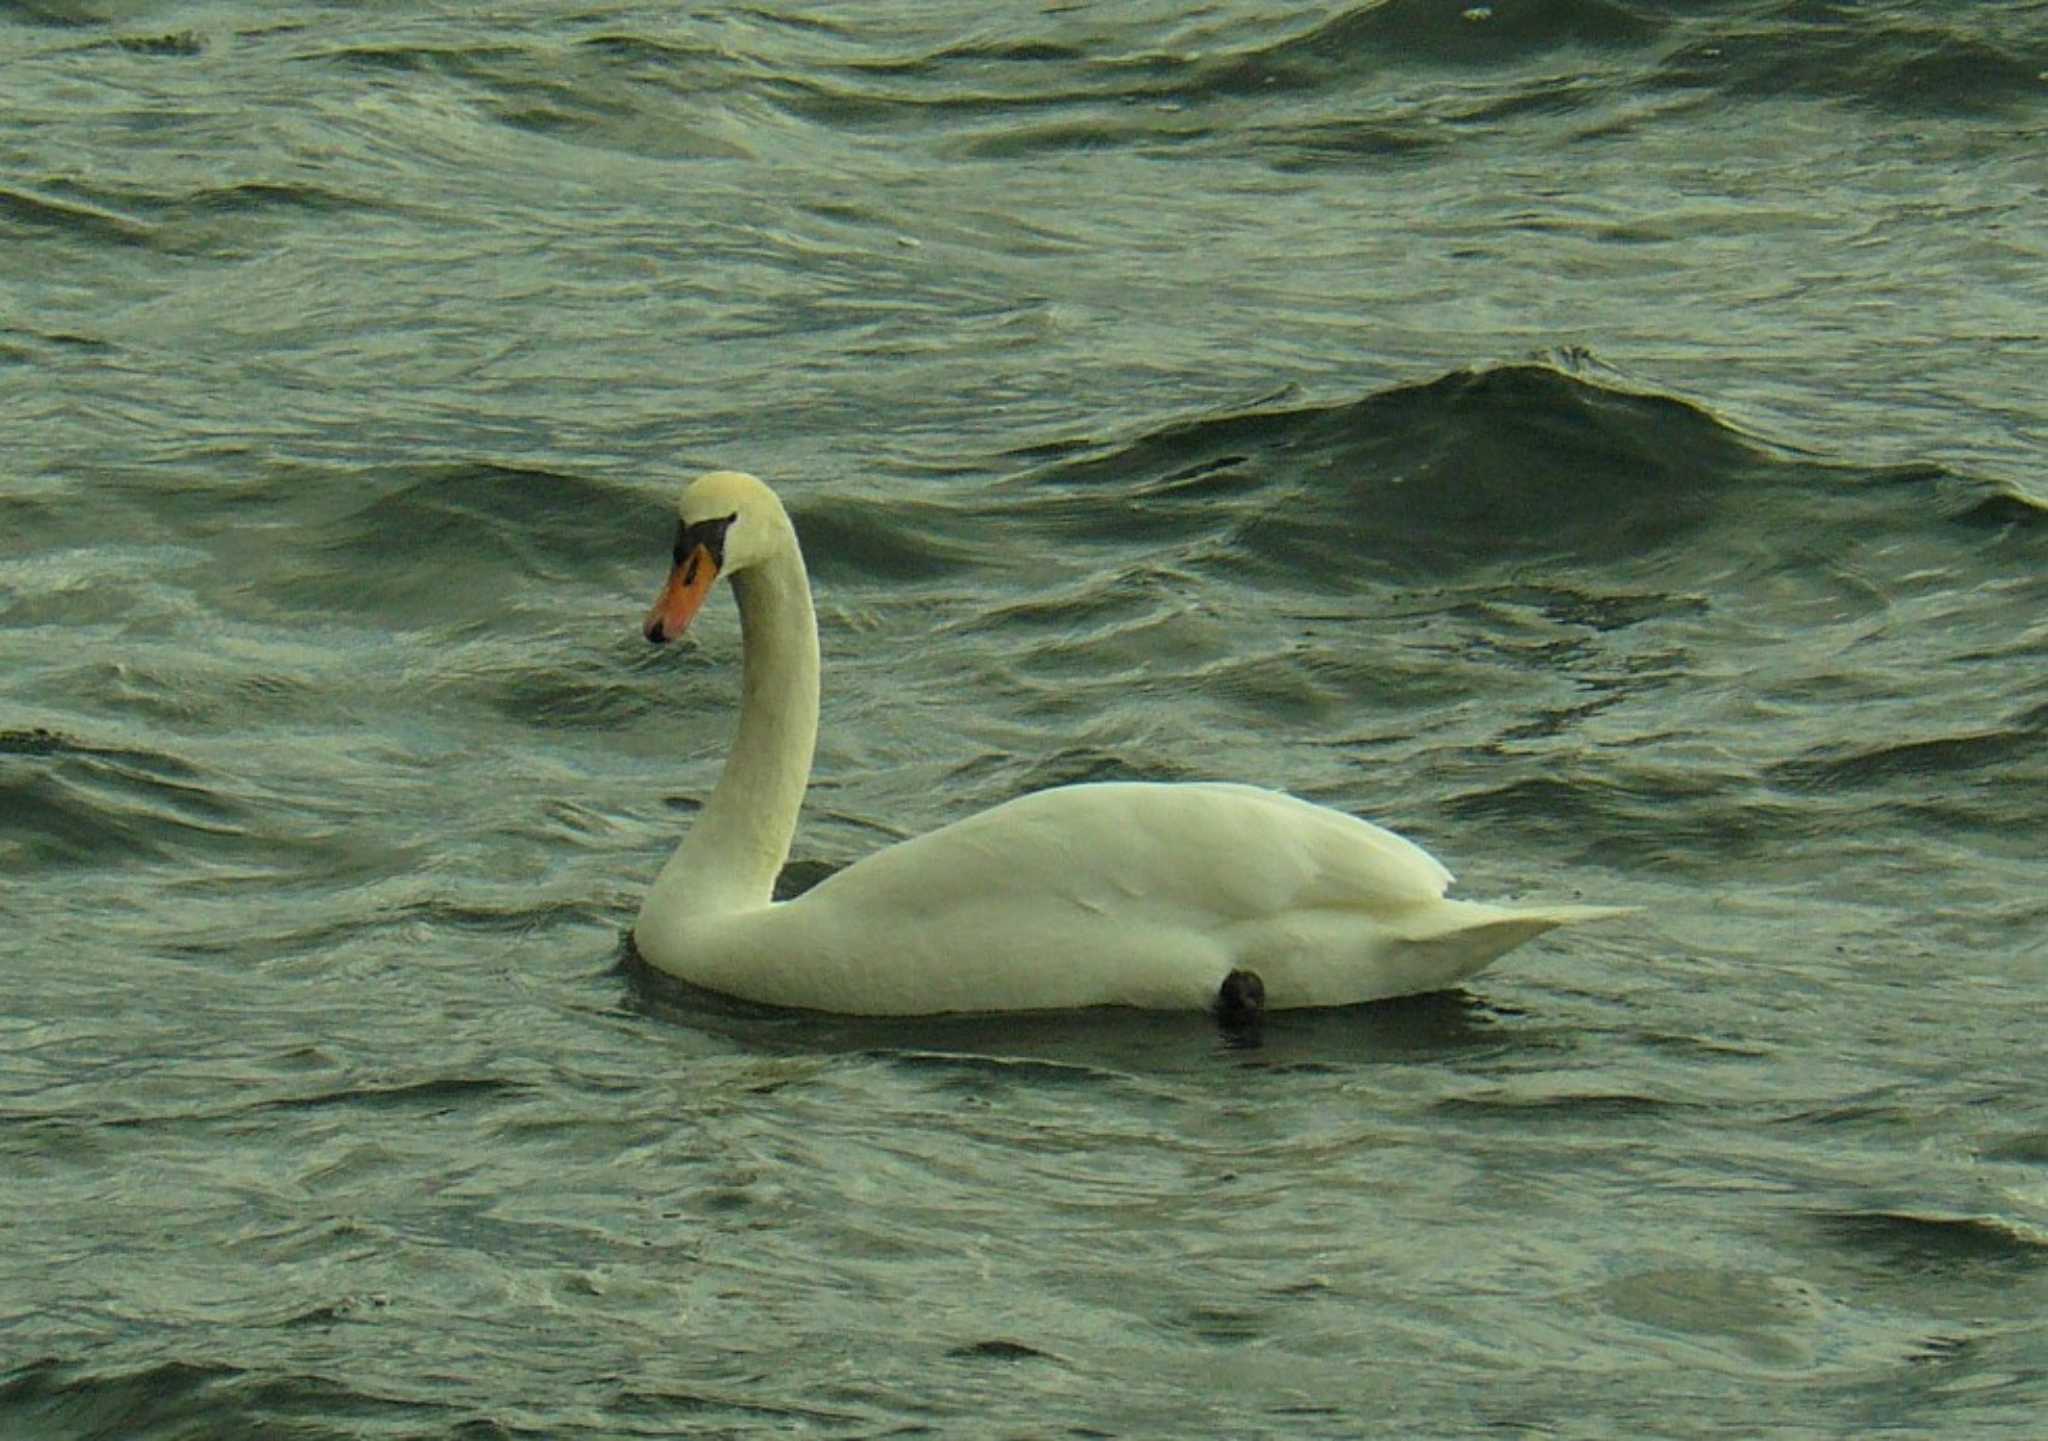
[1599, 440]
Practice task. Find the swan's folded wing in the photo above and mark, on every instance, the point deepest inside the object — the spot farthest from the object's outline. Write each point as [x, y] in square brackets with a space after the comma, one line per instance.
[1183, 852]
[1112, 894]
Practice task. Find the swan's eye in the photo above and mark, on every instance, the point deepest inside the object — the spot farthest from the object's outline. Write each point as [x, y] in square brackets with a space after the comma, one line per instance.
[708, 533]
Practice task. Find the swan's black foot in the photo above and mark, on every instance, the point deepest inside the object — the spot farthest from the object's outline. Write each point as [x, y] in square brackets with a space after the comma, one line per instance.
[1241, 1000]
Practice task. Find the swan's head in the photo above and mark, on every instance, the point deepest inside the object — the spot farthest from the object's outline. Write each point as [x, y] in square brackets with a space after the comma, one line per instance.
[725, 522]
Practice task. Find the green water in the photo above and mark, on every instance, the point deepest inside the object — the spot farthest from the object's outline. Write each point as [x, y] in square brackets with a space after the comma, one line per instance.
[1600, 441]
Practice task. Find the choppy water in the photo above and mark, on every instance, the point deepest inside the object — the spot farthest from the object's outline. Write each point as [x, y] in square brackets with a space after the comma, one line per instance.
[1601, 440]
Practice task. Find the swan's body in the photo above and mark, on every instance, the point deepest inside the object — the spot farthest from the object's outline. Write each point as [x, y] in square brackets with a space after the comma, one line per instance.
[1087, 895]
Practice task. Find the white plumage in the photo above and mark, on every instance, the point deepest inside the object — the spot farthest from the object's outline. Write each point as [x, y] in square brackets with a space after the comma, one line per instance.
[1088, 895]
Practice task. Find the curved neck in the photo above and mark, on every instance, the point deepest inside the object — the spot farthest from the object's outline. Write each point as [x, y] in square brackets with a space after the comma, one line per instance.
[729, 860]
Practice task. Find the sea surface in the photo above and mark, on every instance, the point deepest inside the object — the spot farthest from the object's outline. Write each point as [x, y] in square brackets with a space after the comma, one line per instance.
[1601, 439]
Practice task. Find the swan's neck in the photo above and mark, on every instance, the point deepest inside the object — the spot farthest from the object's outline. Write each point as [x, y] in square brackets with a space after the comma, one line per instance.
[729, 860]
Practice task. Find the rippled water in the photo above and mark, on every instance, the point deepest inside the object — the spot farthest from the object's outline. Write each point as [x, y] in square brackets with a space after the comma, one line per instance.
[1601, 440]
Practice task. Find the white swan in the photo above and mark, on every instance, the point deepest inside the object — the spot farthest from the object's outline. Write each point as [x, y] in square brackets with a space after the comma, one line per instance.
[1196, 896]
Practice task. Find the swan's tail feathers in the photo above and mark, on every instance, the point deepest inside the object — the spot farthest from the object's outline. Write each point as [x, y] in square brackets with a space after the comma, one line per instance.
[1551, 917]
[1462, 938]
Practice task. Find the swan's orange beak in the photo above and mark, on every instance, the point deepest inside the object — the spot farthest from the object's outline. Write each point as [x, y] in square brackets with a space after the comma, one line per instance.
[683, 596]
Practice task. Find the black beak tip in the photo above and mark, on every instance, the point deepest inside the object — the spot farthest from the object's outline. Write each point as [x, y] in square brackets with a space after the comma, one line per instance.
[655, 634]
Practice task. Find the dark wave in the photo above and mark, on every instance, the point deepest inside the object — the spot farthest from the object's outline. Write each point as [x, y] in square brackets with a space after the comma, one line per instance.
[65, 801]
[524, 514]
[178, 1400]
[436, 1095]
[1576, 1108]
[171, 45]
[211, 221]
[1840, 54]
[1930, 1241]
[1992, 506]
[84, 216]
[1052, 92]
[1923, 759]
[461, 60]
[1486, 468]
[1480, 465]
[416, 549]
[1421, 32]
[250, 197]
[999, 1349]
[2029, 1148]
[171, 1398]
[591, 692]
[616, 91]
[850, 541]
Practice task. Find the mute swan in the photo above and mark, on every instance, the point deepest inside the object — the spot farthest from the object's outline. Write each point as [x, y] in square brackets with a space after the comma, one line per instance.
[1194, 896]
